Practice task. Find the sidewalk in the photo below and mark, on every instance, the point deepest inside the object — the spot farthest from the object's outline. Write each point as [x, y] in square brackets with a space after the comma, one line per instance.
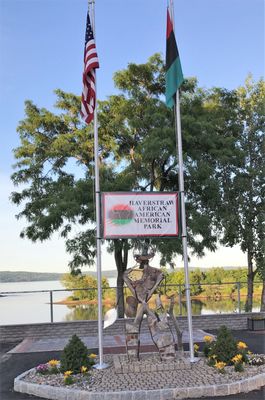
[112, 344]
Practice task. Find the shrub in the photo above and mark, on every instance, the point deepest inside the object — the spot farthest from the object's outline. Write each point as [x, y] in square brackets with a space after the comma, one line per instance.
[68, 379]
[238, 362]
[196, 349]
[53, 366]
[91, 359]
[220, 365]
[75, 355]
[208, 346]
[242, 350]
[225, 347]
[239, 367]
[83, 370]
[212, 360]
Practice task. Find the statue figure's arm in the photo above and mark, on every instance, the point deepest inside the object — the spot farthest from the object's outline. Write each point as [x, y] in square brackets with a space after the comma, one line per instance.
[128, 281]
[159, 279]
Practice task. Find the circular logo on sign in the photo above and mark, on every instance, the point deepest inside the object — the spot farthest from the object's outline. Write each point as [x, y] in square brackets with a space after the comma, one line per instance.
[121, 214]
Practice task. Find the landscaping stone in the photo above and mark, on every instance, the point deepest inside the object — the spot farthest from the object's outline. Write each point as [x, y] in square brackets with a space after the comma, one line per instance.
[149, 363]
[195, 392]
[235, 388]
[180, 393]
[222, 390]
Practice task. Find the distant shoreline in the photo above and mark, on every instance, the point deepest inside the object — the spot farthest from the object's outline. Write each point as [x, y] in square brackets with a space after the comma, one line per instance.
[23, 276]
[26, 276]
[107, 301]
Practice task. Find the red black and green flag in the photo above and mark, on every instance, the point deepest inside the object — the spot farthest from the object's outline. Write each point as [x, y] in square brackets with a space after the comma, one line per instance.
[174, 75]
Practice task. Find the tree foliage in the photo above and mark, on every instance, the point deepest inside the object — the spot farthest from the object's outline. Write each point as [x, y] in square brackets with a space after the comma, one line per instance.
[74, 356]
[178, 278]
[225, 347]
[213, 282]
[137, 151]
[86, 283]
[243, 182]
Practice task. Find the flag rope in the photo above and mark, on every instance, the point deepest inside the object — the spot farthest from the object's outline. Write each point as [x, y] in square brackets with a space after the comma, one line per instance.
[92, 63]
[182, 200]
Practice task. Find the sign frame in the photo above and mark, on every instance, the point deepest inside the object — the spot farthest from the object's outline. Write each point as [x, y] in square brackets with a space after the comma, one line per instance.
[104, 195]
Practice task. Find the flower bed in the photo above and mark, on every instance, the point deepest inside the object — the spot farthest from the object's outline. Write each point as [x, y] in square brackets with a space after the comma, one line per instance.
[197, 381]
[212, 375]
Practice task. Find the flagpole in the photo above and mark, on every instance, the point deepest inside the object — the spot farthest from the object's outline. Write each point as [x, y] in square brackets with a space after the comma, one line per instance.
[183, 211]
[101, 364]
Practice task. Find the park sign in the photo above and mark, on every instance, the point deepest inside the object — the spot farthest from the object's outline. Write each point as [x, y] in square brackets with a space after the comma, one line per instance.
[140, 214]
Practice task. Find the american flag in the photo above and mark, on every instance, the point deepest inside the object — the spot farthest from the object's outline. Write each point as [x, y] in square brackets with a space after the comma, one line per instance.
[90, 64]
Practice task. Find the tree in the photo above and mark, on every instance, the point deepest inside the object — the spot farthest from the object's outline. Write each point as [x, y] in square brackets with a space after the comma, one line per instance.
[243, 183]
[137, 152]
[261, 269]
[177, 278]
[143, 131]
[83, 282]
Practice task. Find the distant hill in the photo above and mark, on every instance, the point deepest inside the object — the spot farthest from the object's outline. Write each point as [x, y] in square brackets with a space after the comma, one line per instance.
[208, 268]
[24, 276]
[107, 274]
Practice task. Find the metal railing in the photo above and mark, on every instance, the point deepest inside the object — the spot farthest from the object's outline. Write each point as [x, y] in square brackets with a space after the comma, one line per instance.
[50, 294]
[165, 289]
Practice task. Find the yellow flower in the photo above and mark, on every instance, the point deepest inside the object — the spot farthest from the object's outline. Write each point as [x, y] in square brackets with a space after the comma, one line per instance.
[92, 355]
[83, 369]
[196, 347]
[220, 365]
[208, 339]
[213, 356]
[68, 373]
[249, 352]
[241, 345]
[53, 363]
[237, 359]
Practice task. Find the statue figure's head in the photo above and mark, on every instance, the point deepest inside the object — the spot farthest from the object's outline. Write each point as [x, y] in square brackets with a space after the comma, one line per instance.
[143, 252]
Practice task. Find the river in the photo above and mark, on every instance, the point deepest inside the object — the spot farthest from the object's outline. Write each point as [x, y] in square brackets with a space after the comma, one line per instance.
[24, 308]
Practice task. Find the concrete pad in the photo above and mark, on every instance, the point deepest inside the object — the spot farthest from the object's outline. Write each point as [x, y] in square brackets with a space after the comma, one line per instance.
[111, 344]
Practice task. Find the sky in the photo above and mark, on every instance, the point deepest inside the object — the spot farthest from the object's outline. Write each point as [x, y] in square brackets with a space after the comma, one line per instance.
[41, 49]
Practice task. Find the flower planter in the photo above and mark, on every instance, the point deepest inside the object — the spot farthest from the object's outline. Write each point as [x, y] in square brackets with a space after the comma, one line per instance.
[256, 324]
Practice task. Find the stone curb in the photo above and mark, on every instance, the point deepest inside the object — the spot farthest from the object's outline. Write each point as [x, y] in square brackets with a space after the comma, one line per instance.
[59, 393]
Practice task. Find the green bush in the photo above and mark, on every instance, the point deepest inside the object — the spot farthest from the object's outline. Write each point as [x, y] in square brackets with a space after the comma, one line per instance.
[239, 367]
[225, 347]
[207, 350]
[75, 355]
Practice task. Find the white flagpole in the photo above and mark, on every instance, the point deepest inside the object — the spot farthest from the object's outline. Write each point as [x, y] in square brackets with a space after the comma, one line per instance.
[183, 211]
[101, 364]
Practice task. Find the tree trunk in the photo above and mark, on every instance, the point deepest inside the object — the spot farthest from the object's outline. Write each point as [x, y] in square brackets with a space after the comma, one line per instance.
[262, 303]
[121, 258]
[249, 301]
[120, 297]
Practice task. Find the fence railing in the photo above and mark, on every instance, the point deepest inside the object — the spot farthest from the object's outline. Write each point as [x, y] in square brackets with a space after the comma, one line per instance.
[164, 289]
